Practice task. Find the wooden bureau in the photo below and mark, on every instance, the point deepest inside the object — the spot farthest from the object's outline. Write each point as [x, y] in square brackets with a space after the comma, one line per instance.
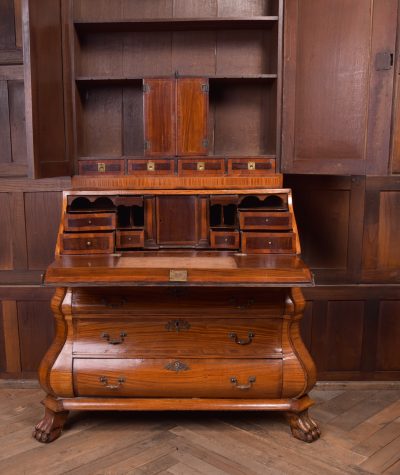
[178, 300]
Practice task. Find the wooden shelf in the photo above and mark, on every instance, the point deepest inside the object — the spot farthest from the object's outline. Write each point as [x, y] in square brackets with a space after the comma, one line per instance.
[116, 79]
[147, 24]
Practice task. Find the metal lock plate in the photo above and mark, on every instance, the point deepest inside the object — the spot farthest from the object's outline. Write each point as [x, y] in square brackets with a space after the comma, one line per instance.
[101, 167]
[201, 166]
[151, 166]
[178, 275]
[251, 165]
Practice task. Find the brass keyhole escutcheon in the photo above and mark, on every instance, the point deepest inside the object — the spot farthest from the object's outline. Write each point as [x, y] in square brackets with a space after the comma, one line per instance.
[101, 167]
[251, 165]
[151, 166]
[201, 166]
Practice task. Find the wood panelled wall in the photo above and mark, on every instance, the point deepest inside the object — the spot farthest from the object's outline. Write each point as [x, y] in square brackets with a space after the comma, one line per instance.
[349, 225]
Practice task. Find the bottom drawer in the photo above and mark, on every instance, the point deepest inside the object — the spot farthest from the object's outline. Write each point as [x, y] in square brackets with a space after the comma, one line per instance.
[209, 378]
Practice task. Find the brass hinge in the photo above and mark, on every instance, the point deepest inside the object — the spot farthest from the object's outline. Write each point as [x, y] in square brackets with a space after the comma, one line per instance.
[146, 88]
[384, 61]
[204, 143]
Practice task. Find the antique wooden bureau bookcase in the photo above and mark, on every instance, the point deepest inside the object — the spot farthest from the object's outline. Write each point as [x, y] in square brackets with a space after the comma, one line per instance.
[177, 272]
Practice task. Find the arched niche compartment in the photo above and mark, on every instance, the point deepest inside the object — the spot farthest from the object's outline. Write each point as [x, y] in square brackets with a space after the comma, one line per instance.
[273, 202]
[90, 203]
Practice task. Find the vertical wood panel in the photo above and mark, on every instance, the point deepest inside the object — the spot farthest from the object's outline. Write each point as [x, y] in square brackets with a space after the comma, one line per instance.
[6, 235]
[389, 230]
[2, 345]
[7, 26]
[11, 336]
[194, 8]
[20, 253]
[345, 332]
[5, 138]
[17, 121]
[36, 332]
[43, 211]
[388, 354]
[18, 23]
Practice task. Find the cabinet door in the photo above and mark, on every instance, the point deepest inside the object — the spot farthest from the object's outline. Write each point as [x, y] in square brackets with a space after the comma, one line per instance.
[45, 37]
[338, 84]
[192, 113]
[159, 117]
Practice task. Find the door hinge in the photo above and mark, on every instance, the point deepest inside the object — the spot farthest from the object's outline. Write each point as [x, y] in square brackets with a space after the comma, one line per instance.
[146, 88]
[205, 88]
[147, 145]
[384, 61]
[204, 143]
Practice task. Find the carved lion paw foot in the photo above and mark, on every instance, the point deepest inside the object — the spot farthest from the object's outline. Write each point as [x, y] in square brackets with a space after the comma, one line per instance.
[303, 427]
[50, 427]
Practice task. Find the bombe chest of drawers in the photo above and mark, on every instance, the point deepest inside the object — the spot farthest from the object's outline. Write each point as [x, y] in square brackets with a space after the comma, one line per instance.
[178, 300]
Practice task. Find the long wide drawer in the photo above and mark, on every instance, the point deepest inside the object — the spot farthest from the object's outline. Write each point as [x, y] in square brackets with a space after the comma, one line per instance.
[163, 337]
[244, 303]
[209, 378]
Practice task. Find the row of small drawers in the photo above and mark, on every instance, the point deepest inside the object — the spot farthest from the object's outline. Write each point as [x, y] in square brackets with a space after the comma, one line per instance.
[185, 166]
[251, 242]
[170, 377]
[248, 220]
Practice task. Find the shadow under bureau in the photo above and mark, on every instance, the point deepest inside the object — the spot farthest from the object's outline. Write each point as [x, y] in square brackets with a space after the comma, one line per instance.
[178, 300]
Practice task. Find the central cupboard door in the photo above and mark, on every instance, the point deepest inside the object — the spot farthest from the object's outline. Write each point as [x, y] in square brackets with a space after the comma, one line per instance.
[338, 82]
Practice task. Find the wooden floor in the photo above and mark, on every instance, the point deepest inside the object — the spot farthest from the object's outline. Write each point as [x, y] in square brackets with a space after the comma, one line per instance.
[360, 434]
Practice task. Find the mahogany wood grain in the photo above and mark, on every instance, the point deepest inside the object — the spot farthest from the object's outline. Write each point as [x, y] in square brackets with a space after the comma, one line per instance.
[261, 220]
[129, 239]
[160, 117]
[184, 337]
[89, 222]
[191, 116]
[201, 378]
[251, 166]
[224, 239]
[151, 167]
[185, 302]
[101, 167]
[12, 349]
[268, 243]
[87, 243]
[201, 166]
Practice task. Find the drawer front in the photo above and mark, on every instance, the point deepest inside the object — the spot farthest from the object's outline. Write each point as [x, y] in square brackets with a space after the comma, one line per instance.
[100, 243]
[216, 302]
[163, 337]
[89, 222]
[151, 167]
[101, 167]
[251, 166]
[268, 243]
[129, 239]
[224, 239]
[186, 377]
[264, 220]
[201, 167]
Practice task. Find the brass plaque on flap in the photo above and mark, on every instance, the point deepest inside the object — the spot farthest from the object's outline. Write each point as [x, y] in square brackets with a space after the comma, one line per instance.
[178, 275]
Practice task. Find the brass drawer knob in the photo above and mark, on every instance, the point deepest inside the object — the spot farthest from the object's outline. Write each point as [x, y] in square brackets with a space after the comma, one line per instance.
[266, 220]
[240, 341]
[250, 381]
[88, 243]
[104, 381]
[89, 221]
[114, 341]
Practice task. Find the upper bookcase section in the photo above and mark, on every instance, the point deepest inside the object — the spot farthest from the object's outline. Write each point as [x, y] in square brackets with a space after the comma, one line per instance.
[87, 61]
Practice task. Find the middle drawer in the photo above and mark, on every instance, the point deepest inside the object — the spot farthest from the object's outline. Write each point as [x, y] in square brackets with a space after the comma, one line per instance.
[167, 337]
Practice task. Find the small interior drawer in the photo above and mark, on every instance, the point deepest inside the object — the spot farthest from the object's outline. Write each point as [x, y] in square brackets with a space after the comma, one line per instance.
[89, 222]
[251, 166]
[224, 239]
[129, 239]
[268, 243]
[201, 166]
[151, 167]
[274, 221]
[102, 167]
[87, 243]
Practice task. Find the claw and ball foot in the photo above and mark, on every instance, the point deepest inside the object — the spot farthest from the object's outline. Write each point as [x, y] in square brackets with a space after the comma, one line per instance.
[50, 427]
[303, 427]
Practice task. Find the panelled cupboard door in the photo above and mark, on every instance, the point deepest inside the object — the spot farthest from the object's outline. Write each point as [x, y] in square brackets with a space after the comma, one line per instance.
[338, 85]
[45, 103]
[192, 115]
[159, 117]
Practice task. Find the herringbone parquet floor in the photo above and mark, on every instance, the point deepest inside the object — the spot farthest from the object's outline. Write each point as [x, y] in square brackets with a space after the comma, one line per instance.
[360, 435]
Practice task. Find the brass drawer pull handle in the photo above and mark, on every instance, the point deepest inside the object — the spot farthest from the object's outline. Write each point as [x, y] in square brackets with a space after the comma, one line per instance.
[104, 381]
[112, 341]
[177, 325]
[177, 366]
[239, 341]
[251, 380]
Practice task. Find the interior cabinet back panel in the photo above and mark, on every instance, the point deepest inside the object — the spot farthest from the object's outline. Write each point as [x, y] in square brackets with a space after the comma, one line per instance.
[192, 115]
[160, 113]
[248, 106]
